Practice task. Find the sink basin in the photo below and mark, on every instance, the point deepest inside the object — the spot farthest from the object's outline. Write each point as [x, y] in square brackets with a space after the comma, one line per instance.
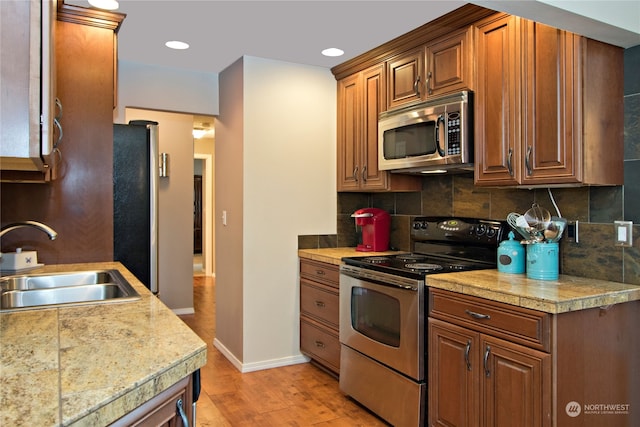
[30, 291]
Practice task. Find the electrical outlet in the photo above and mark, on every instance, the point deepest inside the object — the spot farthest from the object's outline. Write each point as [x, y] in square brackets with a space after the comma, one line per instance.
[623, 233]
[572, 232]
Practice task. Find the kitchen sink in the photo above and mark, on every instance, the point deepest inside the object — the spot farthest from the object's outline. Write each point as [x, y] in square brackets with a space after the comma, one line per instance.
[31, 291]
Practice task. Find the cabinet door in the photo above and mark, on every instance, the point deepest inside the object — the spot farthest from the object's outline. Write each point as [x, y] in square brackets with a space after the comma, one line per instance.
[373, 103]
[22, 72]
[497, 100]
[454, 372]
[516, 385]
[349, 125]
[405, 74]
[552, 136]
[449, 63]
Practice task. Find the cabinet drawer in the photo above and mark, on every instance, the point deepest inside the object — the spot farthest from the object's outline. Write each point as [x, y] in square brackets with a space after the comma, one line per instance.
[517, 324]
[322, 303]
[320, 343]
[320, 271]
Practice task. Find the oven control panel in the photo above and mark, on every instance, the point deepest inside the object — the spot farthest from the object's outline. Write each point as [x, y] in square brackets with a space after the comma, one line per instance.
[471, 230]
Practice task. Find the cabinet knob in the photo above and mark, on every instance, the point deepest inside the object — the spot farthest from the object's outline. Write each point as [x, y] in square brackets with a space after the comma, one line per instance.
[319, 344]
[320, 272]
[320, 304]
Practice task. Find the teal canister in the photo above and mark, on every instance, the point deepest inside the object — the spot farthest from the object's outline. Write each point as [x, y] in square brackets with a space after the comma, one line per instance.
[542, 261]
[511, 256]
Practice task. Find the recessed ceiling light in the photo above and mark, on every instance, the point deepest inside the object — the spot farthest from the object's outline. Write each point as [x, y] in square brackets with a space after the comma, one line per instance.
[105, 4]
[174, 44]
[333, 51]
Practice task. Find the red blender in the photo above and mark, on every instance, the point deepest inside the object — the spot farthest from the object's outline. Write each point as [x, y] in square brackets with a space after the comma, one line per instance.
[375, 224]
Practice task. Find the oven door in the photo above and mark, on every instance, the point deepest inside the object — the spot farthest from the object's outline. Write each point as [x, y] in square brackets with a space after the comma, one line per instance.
[384, 322]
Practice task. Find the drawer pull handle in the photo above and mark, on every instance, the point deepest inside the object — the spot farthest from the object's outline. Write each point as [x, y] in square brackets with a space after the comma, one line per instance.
[320, 272]
[319, 344]
[477, 315]
[181, 413]
[487, 351]
[467, 349]
[320, 304]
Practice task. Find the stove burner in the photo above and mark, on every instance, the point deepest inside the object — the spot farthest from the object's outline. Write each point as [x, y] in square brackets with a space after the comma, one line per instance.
[377, 259]
[411, 257]
[422, 266]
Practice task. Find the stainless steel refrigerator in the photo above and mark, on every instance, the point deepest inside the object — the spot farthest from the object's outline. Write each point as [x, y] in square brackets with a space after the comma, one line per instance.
[135, 199]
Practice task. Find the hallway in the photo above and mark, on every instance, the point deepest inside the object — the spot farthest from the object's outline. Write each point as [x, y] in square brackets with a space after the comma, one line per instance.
[299, 395]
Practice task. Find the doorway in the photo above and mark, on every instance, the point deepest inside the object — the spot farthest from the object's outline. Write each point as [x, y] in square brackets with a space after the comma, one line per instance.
[204, 260]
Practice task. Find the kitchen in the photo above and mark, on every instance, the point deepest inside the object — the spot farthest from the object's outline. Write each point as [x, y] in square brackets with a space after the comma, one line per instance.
[242, 329]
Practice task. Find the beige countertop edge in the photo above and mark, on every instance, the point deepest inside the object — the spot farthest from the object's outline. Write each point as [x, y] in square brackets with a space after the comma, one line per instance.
[568, 293]
[560, 296]
[81, 398]
[334, 255]
[146, 390]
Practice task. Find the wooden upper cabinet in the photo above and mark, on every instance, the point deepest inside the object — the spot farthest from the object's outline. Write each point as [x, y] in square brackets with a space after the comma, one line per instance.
[548, 110]
[406, 78]
[450, 63]
[361, 98]
[442, 66]
[27, 102]
[497, 128]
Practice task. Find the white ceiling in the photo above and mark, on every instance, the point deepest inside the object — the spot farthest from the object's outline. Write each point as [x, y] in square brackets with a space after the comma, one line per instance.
[220, 32]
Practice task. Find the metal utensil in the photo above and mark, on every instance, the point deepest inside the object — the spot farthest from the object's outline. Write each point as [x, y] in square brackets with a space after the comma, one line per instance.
[518, 223]
[537, 217]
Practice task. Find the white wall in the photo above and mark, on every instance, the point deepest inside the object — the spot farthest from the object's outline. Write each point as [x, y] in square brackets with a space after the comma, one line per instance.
[288, 137]
[167, 89]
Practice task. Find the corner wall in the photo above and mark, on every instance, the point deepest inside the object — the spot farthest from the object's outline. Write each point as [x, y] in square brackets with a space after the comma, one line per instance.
[279, 118]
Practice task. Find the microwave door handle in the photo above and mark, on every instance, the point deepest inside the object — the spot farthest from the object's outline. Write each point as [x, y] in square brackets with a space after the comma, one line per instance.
[441, 149]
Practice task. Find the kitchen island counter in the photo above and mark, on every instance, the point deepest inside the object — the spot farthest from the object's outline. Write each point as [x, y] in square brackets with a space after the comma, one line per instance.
[568, 293]
[89, 365]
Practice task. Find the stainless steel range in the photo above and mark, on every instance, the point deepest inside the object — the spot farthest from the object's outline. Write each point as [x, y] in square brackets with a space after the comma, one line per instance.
[382, 312]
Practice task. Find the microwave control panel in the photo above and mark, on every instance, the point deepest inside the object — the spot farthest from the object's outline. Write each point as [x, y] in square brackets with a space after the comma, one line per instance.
[453, 133]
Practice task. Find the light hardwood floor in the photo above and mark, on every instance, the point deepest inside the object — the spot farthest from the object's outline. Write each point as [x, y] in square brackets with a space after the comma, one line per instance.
[299, 395]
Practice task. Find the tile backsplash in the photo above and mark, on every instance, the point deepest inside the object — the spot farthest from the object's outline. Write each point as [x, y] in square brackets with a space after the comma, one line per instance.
[595, 208]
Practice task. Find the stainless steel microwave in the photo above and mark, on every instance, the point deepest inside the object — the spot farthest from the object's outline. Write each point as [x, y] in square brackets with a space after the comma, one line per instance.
[430, 136]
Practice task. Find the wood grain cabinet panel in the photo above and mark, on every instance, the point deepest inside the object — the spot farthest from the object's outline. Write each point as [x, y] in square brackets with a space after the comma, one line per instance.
[481, 380]
[406, 78]
[449, 63]
[361, 98]
[319, 313]
[547, 109]
[483, 373]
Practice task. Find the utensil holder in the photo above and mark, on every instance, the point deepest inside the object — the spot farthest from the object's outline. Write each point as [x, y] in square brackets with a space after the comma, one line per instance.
[542, 261]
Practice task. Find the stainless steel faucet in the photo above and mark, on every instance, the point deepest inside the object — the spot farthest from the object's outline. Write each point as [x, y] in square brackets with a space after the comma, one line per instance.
[35, 224]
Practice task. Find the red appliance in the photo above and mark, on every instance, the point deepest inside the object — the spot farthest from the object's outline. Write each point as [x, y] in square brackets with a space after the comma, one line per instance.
[375, 224]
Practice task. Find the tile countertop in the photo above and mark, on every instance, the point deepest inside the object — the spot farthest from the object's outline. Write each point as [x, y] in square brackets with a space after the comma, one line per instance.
[89, 365]
[568, 293]
[334, 255]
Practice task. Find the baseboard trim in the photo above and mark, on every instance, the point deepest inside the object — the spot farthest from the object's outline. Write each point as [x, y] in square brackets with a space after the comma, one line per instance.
[183, 311]
[258, 366]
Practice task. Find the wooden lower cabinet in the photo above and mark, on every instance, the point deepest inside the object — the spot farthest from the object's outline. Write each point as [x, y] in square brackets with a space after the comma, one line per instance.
[319, 313]
[481, 380]
[495, 364]
[163, 410]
